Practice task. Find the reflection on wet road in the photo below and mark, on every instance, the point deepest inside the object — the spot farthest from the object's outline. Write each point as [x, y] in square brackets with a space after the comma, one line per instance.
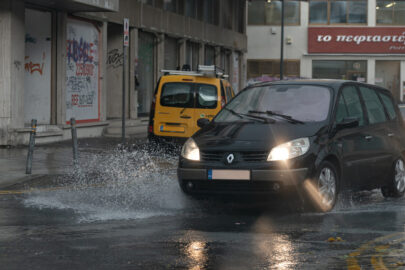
[125, 210]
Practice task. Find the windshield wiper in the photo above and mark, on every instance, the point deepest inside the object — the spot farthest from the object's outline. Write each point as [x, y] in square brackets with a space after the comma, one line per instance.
[255, 117]
[284, 116]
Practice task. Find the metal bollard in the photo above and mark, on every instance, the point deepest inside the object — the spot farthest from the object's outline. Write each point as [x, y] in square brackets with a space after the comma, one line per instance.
[74, 139]
[31, 146]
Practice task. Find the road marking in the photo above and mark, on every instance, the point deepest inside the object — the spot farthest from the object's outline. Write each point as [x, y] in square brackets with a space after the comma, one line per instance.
[376, 259]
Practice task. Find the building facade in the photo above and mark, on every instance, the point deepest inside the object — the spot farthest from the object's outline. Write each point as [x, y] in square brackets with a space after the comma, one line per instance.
[362, 40]
[64, 59]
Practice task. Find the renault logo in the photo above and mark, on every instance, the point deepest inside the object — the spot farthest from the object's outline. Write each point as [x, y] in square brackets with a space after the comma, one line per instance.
[230, 158]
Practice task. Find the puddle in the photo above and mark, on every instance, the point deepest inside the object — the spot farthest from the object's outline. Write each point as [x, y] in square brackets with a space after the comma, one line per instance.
[130, 184]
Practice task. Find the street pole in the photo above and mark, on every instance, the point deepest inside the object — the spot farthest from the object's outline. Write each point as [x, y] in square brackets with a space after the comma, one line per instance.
[123, 94]
[282, 42]
[74, 140]
[124, 64]
[31, 146]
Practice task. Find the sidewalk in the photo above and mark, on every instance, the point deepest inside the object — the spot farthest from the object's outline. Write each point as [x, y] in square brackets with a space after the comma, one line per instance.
[49, 159]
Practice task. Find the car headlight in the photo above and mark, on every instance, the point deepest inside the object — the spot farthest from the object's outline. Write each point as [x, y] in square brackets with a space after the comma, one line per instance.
[289, 150]
[190, 150]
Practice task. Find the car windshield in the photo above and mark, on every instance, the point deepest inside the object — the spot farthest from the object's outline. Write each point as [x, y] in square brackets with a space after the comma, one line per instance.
[306, 103]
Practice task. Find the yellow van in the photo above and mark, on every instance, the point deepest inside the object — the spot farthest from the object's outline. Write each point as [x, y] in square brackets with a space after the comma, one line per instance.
[183, 97]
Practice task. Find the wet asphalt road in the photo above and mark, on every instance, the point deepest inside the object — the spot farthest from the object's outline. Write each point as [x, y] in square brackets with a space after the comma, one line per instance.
[112, 217]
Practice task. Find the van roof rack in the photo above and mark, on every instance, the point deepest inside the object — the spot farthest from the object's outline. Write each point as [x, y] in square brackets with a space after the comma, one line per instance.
[203, 71]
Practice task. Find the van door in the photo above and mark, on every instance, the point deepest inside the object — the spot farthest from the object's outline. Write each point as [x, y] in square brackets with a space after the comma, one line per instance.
[174, 115]
[207, 102]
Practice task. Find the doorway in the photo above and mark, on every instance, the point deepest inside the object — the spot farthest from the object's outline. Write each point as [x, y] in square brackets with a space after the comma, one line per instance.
[387, 75]
[38, 56]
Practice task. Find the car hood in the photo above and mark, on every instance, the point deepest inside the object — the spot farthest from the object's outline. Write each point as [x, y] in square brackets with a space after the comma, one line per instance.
[252, 136]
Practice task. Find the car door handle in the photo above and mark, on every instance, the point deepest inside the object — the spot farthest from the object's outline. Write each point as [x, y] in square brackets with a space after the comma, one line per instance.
[368, 137]
[185, 117]
[390, 134]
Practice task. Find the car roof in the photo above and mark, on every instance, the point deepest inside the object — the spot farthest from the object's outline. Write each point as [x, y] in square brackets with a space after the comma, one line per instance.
[332, 83]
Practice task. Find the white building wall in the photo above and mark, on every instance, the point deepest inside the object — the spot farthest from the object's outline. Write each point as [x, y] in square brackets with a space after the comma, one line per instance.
[264, 40]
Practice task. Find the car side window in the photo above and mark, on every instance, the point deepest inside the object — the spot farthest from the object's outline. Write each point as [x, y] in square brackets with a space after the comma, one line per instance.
[374, 107]
[341, 112]
[389, 105]
[352, 100]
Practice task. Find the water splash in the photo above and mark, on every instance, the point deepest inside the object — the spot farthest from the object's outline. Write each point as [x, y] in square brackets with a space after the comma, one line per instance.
[118, 184]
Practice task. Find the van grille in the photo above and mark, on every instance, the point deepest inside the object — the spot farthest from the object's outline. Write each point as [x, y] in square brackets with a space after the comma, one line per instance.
[243, 156]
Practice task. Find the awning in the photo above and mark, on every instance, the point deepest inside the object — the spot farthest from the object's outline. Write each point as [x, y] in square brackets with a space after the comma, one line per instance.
[78, 5]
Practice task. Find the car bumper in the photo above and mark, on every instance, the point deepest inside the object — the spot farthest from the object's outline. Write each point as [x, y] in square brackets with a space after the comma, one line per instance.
[260, 181]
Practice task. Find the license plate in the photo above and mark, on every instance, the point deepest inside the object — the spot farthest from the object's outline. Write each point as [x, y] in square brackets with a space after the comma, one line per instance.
[228, 175]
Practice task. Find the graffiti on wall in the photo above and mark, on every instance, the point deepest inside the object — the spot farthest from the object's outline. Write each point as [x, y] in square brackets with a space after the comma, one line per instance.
[82, 71]
[115, 58]
[33, 67]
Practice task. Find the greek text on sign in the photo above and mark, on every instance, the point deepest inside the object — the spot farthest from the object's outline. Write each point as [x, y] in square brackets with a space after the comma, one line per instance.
[370, 40]
[126, 32]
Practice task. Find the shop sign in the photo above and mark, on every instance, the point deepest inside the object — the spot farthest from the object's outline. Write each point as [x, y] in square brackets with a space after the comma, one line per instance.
[82, 71]
[369, 40]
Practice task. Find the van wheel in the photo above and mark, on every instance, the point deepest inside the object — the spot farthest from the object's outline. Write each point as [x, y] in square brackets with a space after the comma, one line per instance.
[396, 185]
[324, 191]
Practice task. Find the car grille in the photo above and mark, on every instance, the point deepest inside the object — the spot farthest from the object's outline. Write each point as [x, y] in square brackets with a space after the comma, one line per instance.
[244, 156]
[234, 186]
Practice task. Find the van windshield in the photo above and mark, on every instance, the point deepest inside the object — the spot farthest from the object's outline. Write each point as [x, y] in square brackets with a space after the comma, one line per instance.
[182, 95]
[306, 103]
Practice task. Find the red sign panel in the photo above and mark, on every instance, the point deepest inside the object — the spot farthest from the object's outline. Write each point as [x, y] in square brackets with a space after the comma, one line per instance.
[356, 40]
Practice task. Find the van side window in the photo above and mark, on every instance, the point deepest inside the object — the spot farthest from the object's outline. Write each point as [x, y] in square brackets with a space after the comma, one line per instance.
[386, 99]
[375, 109]
[223, 91]
[352, 100]
[228, 94]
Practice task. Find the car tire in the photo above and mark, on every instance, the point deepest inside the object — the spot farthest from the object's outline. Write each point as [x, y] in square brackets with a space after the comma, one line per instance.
[396, 182]
[323, 191]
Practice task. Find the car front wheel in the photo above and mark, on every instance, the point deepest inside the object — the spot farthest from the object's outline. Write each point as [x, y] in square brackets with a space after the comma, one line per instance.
[323, 191]
[396, 185]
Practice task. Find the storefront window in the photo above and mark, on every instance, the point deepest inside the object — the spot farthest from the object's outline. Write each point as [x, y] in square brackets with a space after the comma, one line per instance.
[339, 69]
[337, 12]
[390, 12]
[271, 68]
[269, 13]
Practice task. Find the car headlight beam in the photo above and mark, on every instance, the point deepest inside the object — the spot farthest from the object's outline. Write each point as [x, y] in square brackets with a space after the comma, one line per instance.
[190, 150]
[289, 150]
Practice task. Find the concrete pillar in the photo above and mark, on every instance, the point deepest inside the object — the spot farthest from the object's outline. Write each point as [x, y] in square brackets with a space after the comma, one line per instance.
[371, 12]
[133, 56]
[402, 81]
[104, 78]
[371, 71]
[182, 52]
[160, 55]
[61, 69]
[12, 53]
[243, 70]
[306, 67]
[201, 54]
[218, 57]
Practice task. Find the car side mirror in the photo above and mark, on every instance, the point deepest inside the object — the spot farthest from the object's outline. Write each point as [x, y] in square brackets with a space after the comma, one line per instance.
[348, 122]
[202, 122]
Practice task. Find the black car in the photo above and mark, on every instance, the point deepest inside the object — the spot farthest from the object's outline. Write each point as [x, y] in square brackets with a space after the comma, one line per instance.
[313, 137]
